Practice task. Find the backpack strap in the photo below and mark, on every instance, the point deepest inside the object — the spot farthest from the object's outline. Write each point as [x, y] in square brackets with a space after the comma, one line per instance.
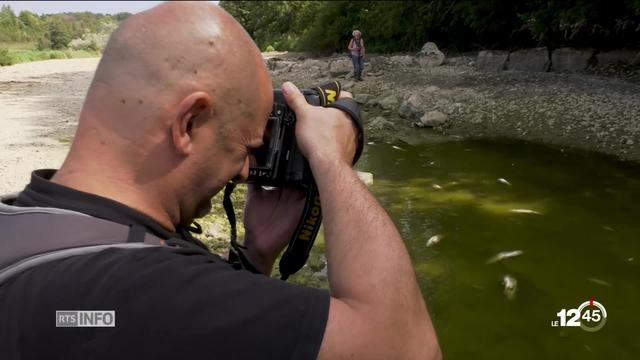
[31, 236]
[39, 259]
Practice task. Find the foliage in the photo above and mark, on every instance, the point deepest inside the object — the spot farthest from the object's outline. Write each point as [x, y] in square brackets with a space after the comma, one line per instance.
[389, 26]
[5, 58]
[56, 31]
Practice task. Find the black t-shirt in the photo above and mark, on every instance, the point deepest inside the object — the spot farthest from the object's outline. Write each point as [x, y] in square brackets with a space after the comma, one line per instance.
[169, 304]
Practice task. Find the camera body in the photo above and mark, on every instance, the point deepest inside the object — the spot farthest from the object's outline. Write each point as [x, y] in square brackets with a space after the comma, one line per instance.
[279, 161]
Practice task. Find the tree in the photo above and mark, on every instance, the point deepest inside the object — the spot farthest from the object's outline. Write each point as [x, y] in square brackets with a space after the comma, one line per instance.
[58, 35]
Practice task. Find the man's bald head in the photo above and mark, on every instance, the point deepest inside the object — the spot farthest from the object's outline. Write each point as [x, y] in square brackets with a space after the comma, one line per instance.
[178, 100]
[158, 55]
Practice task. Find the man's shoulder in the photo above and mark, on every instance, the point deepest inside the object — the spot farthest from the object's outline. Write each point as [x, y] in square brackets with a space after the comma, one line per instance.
[159, 294]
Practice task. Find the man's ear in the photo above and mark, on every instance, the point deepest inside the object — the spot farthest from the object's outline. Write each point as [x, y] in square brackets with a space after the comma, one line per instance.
[191, 112]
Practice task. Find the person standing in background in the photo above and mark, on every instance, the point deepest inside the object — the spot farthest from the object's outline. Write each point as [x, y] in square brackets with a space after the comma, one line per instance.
[356, 48]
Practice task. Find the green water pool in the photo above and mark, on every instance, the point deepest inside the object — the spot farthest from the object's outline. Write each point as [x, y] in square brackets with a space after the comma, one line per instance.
[574, 216]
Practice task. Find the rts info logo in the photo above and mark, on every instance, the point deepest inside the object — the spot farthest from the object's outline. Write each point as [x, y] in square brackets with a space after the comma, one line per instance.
[589, 316]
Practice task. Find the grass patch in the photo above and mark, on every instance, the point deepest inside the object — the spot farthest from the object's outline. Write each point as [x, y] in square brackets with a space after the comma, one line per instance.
[14, 53]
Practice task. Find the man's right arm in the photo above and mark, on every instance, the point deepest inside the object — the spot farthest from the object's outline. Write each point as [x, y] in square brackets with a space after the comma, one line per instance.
[377, 310]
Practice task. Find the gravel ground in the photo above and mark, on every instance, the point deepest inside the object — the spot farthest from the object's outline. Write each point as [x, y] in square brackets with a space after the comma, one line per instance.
[39, 104]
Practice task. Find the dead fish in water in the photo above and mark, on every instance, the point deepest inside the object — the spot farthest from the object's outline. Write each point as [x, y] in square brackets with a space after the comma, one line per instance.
[609, 228]
[434, 240]
[371, 143]
[510, 286]
[599, 282]
[397, 148]
[504, 181]
[504, 255]
[436, 186]
[525, 211]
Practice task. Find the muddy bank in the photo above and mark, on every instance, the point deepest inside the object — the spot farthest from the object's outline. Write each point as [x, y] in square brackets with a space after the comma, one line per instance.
[583, 111]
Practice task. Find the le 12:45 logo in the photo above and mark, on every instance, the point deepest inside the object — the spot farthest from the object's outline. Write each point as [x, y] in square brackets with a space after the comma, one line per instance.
[589, 316]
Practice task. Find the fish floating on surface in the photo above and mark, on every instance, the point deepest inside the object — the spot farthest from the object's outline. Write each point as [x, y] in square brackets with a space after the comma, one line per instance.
[525, 211]
[599, 282]
[397, 148]
[436, 186]
[504, 181]
[434, 240]
[510, 286]
[504, 255]
[371, 143]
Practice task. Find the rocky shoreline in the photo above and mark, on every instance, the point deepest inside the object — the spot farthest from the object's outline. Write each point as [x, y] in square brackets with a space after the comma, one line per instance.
[458, 97]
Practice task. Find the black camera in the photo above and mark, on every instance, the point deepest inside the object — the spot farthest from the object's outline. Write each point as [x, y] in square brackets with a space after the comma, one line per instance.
[279, 161]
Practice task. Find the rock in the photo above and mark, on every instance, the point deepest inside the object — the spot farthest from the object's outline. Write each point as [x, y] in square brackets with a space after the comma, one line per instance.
[455, 108]
[278, 64]
[340, 67]
[375, 62]
[430, 55]
[617, 57]
[215, 231]
[570, 60]
[362, 98]
[403, 60]
[365, 177]
[411, 108]
[431, 88]
[388, 102]
[309, 63]
[432, 119]
[346, 85]
[492, 60]
[532, 60]
[380, 123]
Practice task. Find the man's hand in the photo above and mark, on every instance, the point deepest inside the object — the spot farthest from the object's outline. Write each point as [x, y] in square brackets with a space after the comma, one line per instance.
[270, 218]
[322, 133]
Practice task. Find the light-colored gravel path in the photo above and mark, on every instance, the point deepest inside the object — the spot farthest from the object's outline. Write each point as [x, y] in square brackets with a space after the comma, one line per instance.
[38, 101]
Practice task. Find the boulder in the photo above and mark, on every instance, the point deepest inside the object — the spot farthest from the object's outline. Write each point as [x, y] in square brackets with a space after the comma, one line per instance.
[340, 67]
[402, 60]
[278, 64]
[362, 98]
[389, 102]
[309, 63]
[411, 108]
[570, 60]
[380, 123]
[492, 60]
[532, 60]
[616, 57]
[432, 119]
[430, 55]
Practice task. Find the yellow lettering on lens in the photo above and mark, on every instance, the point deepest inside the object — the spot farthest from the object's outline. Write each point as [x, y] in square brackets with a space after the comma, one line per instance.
[331, 95]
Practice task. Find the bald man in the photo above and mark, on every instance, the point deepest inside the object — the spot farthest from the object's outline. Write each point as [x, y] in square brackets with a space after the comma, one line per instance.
[178, 103]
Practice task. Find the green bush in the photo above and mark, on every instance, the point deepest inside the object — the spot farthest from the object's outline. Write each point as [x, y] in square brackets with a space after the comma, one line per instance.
[6, 58]
[270, 48]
